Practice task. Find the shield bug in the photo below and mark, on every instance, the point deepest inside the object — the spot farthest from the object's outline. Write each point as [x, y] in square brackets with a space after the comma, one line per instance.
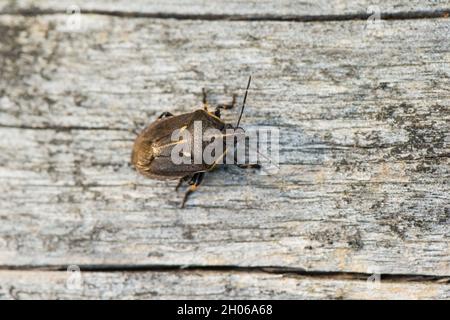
[154, 147]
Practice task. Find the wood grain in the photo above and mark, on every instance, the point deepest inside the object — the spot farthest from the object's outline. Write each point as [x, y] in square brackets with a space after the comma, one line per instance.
[279, 8]
[363, 113]
[205, 285]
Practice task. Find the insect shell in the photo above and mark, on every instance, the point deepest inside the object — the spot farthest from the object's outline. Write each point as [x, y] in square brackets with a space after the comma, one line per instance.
[151, 155]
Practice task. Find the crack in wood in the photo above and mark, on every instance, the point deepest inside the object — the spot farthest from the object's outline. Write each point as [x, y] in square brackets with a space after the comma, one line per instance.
[285, 271]
[404, 15]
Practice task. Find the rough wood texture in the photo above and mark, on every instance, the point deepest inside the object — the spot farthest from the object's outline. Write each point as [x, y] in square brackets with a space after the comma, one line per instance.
[205, 285]
[281, 8]
[364, 173]
[363, 185]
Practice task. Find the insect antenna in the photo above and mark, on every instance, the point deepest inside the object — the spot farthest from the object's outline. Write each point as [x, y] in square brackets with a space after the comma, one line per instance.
[243, 103]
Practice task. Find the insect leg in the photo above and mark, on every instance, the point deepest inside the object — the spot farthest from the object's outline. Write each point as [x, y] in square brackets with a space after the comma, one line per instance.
[165, 115]
[135, 130]
[180, 182]
[197, 178]
[225, 106]
[229, 105]
[205, 99]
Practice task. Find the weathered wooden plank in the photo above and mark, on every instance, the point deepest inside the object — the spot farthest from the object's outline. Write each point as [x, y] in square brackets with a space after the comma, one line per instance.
[205, 285]
[240, 7]
[363, 184]
[75, 190]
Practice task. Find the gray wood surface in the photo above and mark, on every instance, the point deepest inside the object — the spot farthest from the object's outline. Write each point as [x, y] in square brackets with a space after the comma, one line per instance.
[206, 285]
[280, 8]
[363, 183]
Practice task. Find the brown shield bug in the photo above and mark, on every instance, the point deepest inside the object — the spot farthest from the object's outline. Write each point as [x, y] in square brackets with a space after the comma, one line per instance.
[154, 146]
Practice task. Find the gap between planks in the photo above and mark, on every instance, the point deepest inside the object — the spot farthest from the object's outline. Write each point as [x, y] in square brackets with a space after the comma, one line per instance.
[286, 271]
[403, 15]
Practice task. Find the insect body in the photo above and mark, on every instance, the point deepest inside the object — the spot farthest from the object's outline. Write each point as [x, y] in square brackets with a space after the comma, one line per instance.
[152, 150]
